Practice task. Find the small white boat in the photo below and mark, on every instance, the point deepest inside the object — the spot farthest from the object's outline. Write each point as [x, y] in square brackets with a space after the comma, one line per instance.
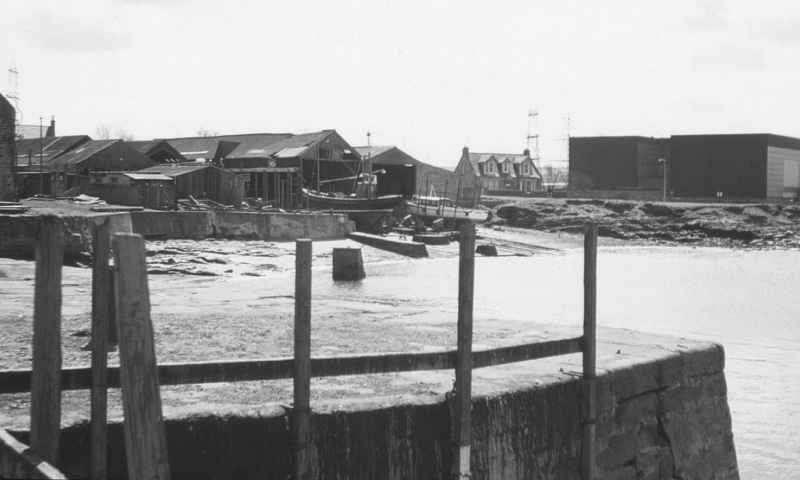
[432, 208]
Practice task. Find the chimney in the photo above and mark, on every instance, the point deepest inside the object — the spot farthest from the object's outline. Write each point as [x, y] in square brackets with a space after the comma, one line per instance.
[465, 152]
[51, 130]
[526, 152]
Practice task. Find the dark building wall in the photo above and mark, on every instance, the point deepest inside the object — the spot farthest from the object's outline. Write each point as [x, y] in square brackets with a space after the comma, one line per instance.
[609, 162]
[8, 117]
[702, 165]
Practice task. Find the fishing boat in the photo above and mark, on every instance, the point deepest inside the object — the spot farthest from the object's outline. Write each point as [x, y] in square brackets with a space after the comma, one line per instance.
[432, 208]
[363, 206]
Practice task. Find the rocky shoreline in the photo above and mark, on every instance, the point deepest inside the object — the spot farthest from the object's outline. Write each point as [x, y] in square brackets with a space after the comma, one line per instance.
[745, 226]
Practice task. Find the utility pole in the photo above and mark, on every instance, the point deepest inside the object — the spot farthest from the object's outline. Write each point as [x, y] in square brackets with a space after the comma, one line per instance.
[663, 162]
[41, 158]
[533, 115]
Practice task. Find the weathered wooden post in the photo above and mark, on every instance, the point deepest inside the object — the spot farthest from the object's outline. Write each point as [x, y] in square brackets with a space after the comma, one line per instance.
[102, 304]
[301, 411]
[463, 394]
[46, 369]
[145, 438]
[589, 401]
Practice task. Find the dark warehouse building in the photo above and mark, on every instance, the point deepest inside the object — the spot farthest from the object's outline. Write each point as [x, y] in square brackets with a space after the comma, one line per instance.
[737, 165]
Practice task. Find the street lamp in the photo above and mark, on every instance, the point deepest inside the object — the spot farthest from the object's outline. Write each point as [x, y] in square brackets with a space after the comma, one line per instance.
[664, 162]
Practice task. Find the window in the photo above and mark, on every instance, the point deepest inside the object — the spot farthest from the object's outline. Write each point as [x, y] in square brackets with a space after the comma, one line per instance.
[505, 167]
[489, 167]
[526, 168]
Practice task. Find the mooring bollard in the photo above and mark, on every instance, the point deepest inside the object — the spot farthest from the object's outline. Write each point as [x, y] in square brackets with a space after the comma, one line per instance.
[348, 264]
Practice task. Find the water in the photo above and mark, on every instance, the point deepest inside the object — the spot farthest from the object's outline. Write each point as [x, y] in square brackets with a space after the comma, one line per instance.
[747, 301]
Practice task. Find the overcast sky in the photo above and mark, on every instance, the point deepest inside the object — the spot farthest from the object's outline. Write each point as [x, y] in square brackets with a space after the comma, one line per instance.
[429, 77]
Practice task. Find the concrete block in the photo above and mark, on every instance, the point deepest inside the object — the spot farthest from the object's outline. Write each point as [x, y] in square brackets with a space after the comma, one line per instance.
[348, 264]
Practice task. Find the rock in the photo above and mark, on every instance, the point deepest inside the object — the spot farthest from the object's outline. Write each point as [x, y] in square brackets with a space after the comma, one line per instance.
[488, 250]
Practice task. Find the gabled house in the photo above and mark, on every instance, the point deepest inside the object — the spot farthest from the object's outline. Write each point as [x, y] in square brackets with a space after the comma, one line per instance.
[33, 162]
[159, 150]
[485, 172]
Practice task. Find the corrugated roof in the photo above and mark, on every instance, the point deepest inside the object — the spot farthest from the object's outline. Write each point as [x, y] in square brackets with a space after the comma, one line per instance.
[269, 145]
[145, 146]
[147, 176]
[51, 148]
[84, 151]
[174, 170]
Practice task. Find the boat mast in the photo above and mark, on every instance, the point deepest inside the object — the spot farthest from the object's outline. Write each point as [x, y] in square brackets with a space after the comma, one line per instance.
[368, 170]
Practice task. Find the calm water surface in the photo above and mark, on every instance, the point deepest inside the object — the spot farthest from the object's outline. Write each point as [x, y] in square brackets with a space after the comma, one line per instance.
[747, 301]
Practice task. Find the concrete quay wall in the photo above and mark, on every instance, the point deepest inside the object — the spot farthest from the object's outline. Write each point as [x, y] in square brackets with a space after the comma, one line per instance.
[18, 232]
[660, 416]
[277, 227]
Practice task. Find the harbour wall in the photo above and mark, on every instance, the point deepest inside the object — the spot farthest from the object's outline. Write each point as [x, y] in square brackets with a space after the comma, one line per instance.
[662, 415]
[18, 232]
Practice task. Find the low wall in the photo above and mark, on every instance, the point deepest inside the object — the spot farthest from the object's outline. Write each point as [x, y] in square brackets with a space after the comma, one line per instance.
[227, 224]
[18, 233]
[663, 414]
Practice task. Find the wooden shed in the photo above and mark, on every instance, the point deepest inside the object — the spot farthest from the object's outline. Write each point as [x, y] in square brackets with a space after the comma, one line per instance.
[203, 180]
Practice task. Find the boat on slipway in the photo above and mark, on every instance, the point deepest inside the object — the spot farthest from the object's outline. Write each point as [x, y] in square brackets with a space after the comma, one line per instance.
[431, 208]
[368, 214]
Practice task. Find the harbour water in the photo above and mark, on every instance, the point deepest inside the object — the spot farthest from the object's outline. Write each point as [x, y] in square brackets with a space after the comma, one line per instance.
[747, 301]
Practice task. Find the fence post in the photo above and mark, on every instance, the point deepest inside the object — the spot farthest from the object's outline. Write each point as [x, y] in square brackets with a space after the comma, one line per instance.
[101, 308]
[589, 350]
[46, 369]
[145, 437]
[301, 411]
[463, 399]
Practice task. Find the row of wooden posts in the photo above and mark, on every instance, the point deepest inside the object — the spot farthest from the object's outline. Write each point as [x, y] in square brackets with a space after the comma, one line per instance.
[123, 296]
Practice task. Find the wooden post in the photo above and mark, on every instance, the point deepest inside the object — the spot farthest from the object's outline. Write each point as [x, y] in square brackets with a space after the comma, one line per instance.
[145, 438]
[589, 350]
[46, 370]
[101, 309]
[463, 388]
[301, 412]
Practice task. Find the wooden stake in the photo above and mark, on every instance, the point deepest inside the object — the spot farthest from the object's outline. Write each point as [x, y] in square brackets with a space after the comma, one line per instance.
[46, 371]
[145, 438]
[589, 350]
[463, 393]
[101, 309]
[301, 413]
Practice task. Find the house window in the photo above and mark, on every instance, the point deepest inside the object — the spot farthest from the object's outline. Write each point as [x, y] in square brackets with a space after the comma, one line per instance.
[489, 167]
[526, 168]
[505, 167]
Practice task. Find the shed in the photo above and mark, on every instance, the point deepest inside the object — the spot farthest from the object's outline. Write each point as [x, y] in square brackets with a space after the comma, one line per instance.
[202, 181]
[73, 168]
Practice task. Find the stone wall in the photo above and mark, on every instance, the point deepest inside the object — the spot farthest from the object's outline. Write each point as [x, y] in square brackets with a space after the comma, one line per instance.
[663, 415]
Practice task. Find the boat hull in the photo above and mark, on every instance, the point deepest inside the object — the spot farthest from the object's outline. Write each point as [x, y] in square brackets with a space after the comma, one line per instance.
[318, 201]
[461, 215]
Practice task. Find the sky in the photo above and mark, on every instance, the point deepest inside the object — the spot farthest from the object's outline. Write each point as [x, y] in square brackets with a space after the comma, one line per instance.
[428, 77]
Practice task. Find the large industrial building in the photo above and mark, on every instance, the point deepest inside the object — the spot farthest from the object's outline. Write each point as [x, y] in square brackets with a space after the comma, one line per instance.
[737, 165]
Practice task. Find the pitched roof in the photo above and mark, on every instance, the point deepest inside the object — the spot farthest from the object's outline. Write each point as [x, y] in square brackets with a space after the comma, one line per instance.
[193, 148]
[147, 176]
[84, 151]
[159, 150]
[51, 148]
[284, 145]
[175, 169]
[516, 159]
[373, 151]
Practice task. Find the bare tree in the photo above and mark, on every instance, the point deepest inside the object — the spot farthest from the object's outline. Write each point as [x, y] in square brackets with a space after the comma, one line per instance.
[103, 131]
[125, 135]
[552, 175]
[202, 132]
